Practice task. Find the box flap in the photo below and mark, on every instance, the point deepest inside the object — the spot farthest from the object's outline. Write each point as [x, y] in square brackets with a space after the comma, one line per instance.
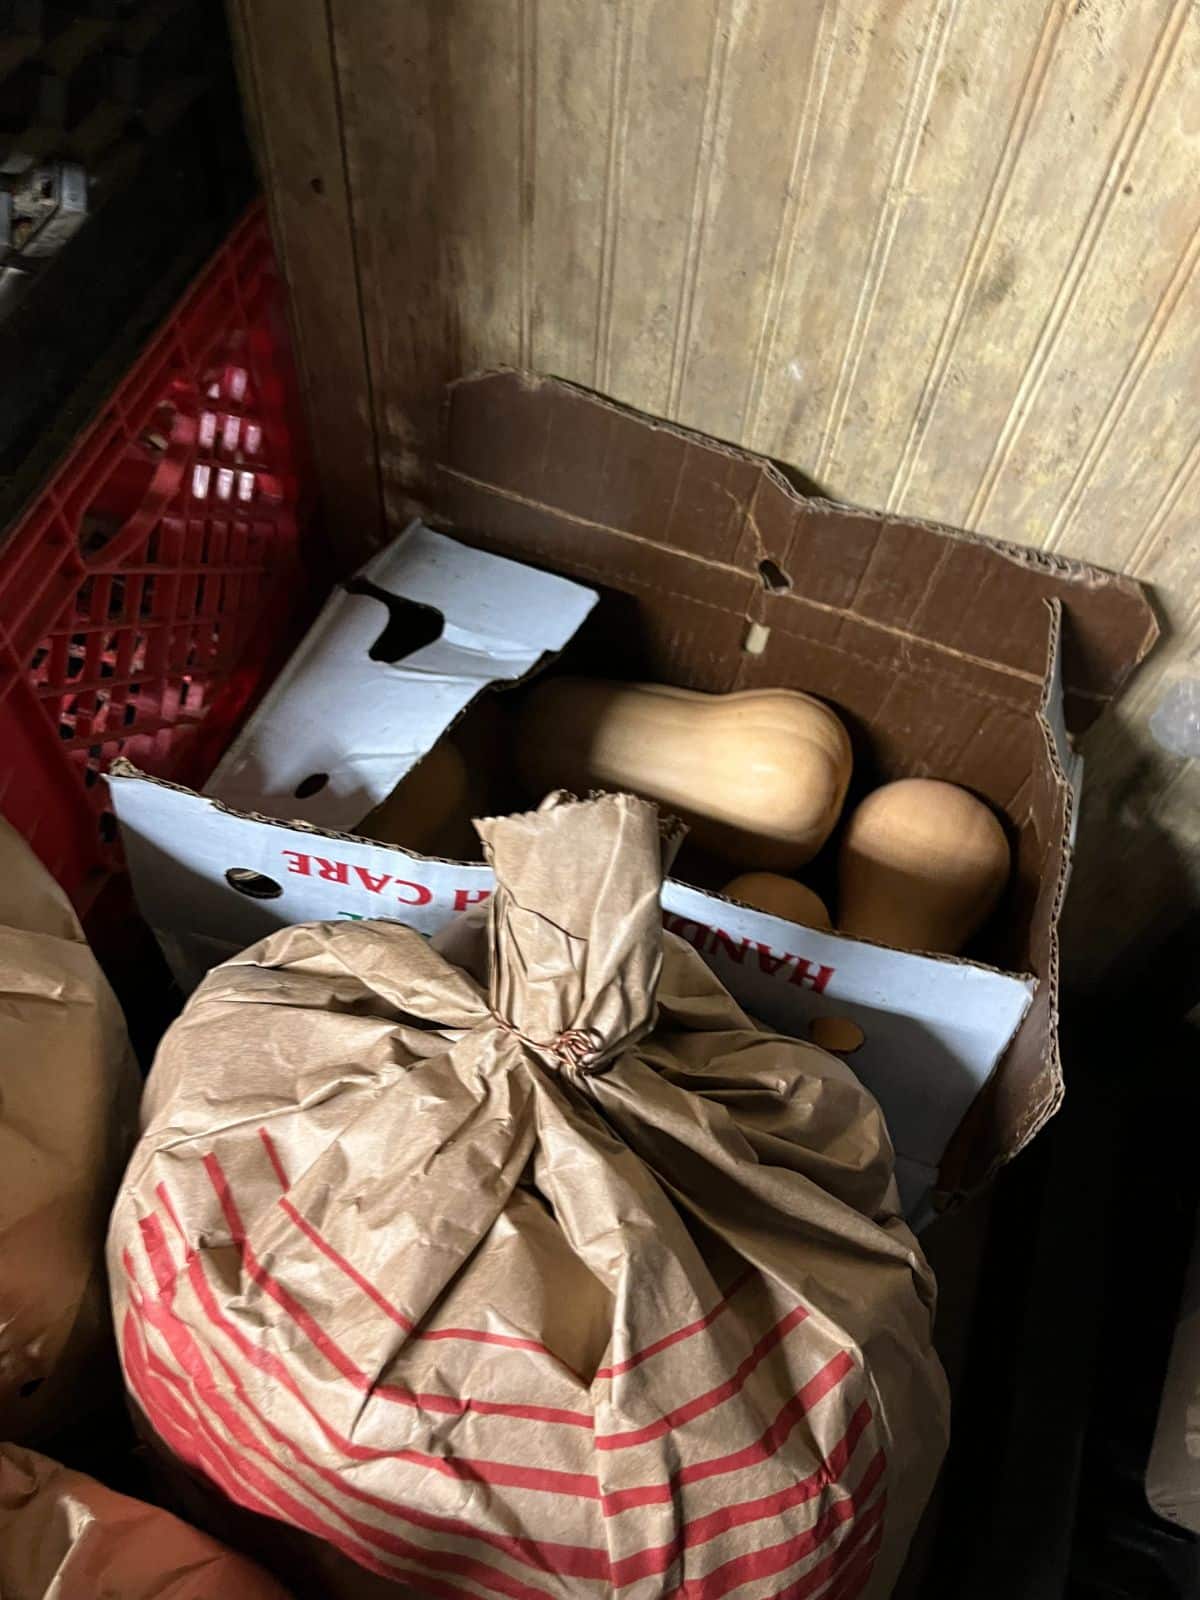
[210, 880]
[884, 587]
[1027, 1090]
[357, 707]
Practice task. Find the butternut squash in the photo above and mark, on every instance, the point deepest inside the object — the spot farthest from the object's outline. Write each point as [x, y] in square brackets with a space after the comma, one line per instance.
[421, 805]
[782, 897]
[922, 864]
[759, 775]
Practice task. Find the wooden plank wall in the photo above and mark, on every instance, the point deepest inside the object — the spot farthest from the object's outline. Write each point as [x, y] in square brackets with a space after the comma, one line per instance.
[940, 254]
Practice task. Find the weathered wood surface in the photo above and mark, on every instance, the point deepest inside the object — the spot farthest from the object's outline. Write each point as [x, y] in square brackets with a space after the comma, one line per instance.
[940, 254]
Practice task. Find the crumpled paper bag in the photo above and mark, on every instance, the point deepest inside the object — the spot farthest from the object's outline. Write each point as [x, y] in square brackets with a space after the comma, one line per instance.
[574, 1284]
[63, 1536]
[68, 1107]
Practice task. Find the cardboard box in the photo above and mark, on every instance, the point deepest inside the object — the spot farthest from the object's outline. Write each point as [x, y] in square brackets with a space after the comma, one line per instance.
[344, 723]
[943, 652]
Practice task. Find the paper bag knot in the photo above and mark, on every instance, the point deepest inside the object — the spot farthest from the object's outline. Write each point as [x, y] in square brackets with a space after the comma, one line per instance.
[578, 1048]
[575, 926]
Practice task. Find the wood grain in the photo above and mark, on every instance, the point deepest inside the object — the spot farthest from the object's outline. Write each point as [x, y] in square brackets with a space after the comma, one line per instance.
[940, 254]
[292, 93]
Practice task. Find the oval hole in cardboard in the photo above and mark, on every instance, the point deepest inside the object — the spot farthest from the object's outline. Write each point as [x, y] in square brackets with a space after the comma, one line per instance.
[311, 785]
[410, 625]
[773, 576]
[255, 884]
[839, 1035]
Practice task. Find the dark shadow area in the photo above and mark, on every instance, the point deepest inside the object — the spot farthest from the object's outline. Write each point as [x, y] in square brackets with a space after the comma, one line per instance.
[801, 480]
[147, 108]
[1132, 887]
[1043, 1494]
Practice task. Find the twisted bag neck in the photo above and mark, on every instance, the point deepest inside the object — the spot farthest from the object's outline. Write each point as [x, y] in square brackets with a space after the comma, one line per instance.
[576, 926]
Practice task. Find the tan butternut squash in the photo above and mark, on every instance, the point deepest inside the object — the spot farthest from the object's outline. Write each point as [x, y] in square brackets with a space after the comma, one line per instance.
[760, 775]
[922, 864]
[423, 803]
[782, 897]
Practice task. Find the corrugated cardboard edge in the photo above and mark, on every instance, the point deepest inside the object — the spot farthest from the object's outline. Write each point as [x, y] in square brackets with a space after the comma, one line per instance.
[953, 1186]
[122, 767]
[1023, 556]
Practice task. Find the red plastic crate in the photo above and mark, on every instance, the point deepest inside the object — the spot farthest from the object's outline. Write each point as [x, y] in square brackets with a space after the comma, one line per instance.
[152, 585]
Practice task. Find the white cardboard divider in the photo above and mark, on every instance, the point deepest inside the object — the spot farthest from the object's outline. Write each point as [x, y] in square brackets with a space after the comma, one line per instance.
[361, 724]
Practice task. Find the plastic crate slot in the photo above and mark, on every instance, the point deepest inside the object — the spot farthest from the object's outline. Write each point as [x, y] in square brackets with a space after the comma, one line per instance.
[139, 618]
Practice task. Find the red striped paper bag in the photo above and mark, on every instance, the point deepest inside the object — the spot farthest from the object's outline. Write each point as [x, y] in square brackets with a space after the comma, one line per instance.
[555, 1278]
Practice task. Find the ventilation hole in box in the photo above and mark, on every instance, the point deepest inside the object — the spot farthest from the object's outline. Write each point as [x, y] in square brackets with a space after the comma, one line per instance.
[254, 884]
[837, 1034]
[311, 785]
[30, 1387]
[107, 824]
[773, 577]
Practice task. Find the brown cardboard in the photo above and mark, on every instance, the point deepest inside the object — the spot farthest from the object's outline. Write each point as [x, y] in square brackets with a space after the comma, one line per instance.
[936, 645]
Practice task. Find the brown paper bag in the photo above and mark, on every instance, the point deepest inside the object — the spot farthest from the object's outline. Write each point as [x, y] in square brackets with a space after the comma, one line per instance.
[68, 1098]
[574, 1285]
[63, 1536]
